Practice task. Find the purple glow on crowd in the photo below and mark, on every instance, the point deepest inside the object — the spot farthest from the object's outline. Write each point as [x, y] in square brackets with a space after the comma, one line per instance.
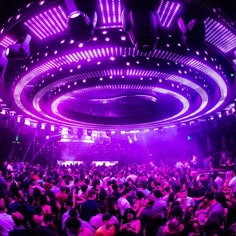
[48, 23]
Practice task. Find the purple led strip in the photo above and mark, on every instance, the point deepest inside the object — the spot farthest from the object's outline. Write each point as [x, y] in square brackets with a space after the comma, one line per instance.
[47, 23]
[167, 12]
[7, 41]
[110, 12]
[218, 35]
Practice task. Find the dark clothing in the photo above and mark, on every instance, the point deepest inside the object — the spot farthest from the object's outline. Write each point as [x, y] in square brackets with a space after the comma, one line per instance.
[43, 231]
[14, 207]
[88, 209]
[19, 232]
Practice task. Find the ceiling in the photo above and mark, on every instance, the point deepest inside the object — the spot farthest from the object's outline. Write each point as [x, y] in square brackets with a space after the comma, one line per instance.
[106, 83]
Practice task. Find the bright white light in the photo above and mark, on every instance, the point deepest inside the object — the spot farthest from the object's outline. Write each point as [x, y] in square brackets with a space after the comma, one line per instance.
[52, 128]
[27, 122]
[74, 14]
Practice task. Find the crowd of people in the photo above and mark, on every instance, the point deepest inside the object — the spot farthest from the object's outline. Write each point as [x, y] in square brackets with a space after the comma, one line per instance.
[133, 199]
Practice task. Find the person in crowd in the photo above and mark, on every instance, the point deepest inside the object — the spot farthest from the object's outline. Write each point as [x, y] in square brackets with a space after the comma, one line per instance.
[19, 229]
[159, 205]
[6, 221]
[108, 228]
[90, 207]
[46, 227]
[124, 199]
[75, 228]
[122, 202]
[130, 224]
[96, 221]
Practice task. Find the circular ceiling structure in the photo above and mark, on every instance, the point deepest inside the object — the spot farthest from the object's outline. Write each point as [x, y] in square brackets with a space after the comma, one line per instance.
[106, 82]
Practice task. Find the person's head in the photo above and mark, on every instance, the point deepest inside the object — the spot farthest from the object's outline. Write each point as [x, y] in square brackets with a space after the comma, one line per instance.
[157, 194]
[84, 188]
[130, 181]
[144, 185]
[167, 190]
[63, 189]
[2, 205]
[121, 187]
[96, 185]
[68, 204]
[125, 193]
[173, 227]
[183, 194]
[210, 196]
[212, 228]
[18, 218]
[114, 187]
[102, 209]
[106, 218]
[176, 212]
[139, 195]
[129, 215]
[214, 187]
[48, 219]
[74, 225]
[73, 213]
[91, 194]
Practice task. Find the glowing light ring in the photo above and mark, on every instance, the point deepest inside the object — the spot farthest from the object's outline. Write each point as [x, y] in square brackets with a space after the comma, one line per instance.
[182, 99]
[119, 51]
[135, 72]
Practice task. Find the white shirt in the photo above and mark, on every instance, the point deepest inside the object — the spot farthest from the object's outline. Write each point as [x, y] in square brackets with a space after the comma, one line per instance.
[188, 201]
[123, 204]
[96, 221]
[220, 182]
[6, 224]
[133, 177]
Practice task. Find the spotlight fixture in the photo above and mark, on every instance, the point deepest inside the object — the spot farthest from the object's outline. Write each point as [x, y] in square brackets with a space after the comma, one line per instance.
[192, 27]
[3, 63]
[141, 21]
[82, 19]
[20, 50]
